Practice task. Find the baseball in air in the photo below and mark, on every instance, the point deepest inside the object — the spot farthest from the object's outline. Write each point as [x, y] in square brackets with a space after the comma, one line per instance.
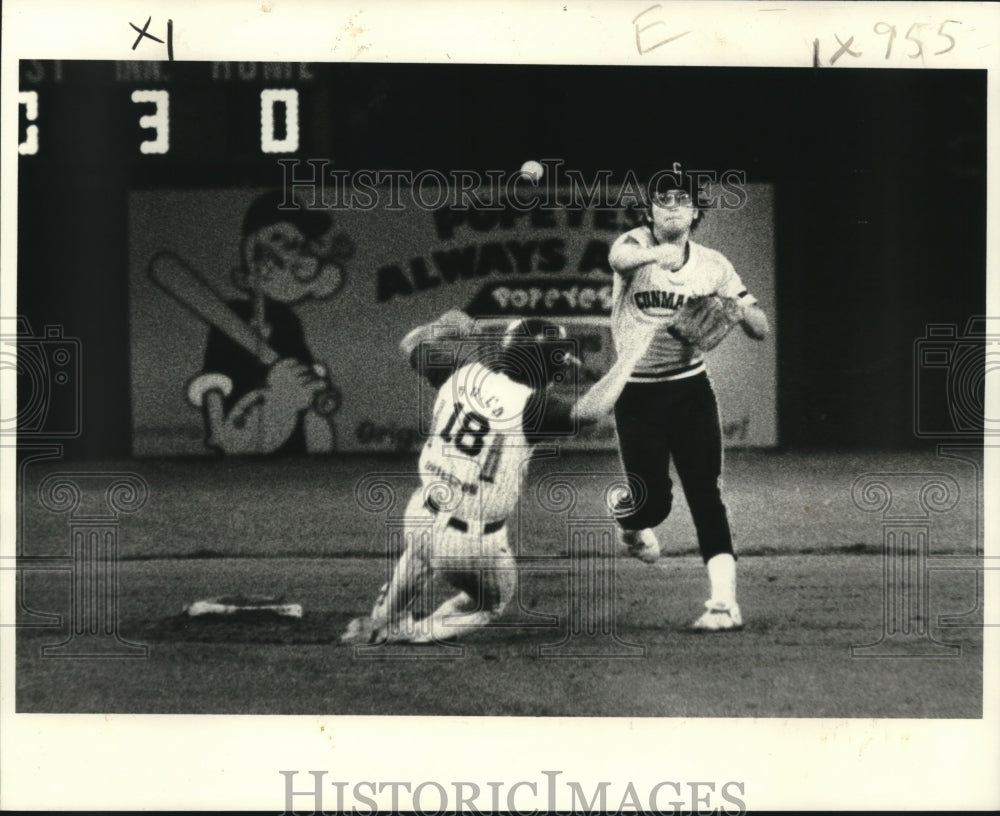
[532, 171]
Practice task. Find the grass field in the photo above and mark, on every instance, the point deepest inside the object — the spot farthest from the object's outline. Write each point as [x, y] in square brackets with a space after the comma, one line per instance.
[811, 587]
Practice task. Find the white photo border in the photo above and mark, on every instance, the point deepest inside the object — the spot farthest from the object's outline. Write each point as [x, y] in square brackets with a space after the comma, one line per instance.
[233, 763]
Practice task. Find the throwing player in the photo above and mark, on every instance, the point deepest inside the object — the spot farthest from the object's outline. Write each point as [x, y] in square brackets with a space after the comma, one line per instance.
[668, 409]
[491, 408]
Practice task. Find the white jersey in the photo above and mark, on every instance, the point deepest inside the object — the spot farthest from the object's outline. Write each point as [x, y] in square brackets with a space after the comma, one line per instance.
[471, 465]
[651, 296]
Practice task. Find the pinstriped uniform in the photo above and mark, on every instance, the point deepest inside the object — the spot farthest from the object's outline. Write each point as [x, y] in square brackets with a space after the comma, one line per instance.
[471, 468]
[477, 447]
[490, 409]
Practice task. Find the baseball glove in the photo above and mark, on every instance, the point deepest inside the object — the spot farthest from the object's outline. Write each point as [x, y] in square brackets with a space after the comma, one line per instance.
[705, 321]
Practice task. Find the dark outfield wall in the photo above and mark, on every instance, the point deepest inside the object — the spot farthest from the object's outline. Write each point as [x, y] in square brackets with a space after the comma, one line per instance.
[878, 179]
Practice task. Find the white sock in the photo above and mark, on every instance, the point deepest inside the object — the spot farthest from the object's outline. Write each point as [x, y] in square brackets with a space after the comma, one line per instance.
[722, 578]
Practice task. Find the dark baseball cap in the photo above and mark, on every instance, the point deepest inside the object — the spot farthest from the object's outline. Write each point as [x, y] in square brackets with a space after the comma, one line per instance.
[276, 206]
[676, 177]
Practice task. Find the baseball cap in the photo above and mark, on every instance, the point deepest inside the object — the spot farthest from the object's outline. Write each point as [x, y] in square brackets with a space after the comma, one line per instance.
[675, 177]
[275, 206]
[543, 335]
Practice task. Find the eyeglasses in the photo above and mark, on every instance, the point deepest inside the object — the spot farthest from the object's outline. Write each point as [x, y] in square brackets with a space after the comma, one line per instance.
[672, 198]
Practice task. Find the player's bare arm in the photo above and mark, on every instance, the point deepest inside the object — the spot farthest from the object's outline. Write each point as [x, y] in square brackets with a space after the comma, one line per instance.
[602, 395]
[561, 417]
[627, 255]
[600, 399]
[754, 322]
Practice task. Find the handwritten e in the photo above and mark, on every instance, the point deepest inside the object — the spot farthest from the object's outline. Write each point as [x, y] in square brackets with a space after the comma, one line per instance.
[639, 29]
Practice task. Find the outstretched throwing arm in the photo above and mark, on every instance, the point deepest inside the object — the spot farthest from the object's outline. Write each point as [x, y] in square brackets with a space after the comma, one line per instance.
[602, 396]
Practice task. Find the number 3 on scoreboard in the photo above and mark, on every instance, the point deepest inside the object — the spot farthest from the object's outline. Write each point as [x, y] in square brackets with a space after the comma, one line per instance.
[159, 121]
[468, 437]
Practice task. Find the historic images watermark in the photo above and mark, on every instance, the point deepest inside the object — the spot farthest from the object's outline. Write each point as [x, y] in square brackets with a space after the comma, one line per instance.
[906, 501]
[953, 370]
[45, 370]
[95, 502]
[548, 793]
[545, 184]
[951, 376]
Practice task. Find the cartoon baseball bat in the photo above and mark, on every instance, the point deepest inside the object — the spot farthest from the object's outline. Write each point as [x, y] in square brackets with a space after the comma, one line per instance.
[189, 289]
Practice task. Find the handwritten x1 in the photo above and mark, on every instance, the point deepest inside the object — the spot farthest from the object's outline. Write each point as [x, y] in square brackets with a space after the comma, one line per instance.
[143, 32]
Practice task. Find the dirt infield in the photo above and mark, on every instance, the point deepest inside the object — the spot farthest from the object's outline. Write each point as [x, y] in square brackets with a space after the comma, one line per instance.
[812, 586]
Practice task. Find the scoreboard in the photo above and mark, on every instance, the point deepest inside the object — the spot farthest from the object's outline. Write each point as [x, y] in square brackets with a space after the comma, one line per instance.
[226, 122]
[121, 113]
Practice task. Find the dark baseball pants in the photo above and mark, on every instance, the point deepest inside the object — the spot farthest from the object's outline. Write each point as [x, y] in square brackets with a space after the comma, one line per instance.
[677, 420]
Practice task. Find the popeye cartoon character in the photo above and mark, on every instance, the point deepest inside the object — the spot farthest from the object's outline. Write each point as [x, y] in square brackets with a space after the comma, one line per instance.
[260, 389]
